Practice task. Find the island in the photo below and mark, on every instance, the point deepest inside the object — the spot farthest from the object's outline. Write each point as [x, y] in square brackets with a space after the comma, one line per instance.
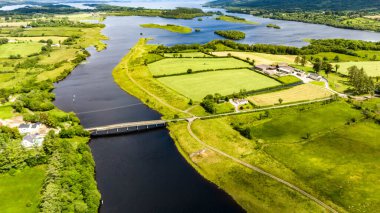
[231, 34]
[235, 19]
[274, 26]
[169, 27]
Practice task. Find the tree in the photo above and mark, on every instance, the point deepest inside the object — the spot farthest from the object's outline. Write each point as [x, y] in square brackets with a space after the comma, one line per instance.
[280, 100]
[361, 82]
[328, 69]
[189, 71]
[337, 59]
[303, 60]
[337, 66]
[297, 60]
[317, 65]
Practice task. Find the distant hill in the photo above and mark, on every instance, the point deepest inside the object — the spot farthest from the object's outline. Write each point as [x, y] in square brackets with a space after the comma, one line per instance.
[336, 5]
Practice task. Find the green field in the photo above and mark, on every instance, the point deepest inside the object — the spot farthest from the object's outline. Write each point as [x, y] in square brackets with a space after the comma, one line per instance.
[24, 49]
[194, 54]
[298, 93]
[169, 27]
[53, 31]
[340, 165]
[331, 55]
[288, 79]
[6, 111]
[372, 68]
[181, 65]
[197, 86]
[20, 193]
[293, 126]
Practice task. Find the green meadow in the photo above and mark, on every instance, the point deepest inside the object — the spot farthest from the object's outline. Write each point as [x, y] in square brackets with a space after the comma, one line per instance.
[170, 66]
[20, 192]
[23, 49]
[372, 68]
[197, 86]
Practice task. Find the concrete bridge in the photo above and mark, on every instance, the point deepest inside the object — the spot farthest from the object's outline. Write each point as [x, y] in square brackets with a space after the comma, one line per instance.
[129, 127]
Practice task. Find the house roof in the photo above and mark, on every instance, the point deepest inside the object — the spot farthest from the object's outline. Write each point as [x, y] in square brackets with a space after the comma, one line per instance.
[24, 126]
[29, 138]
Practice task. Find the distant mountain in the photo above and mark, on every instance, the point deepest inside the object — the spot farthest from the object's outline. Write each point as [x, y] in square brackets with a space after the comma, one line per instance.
[336, 5]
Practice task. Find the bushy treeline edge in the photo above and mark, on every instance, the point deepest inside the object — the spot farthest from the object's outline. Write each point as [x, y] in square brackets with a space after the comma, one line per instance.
[342, 46]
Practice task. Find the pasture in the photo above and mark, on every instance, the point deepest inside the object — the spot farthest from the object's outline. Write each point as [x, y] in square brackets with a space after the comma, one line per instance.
[372, 68]
[260, 58]
[53, 31]
[171, 66]
[298, 93]
[24, 49]
[197, 86]
[20, 193]
[340, 165]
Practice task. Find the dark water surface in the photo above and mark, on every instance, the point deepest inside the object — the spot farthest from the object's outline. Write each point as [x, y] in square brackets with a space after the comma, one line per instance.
[145, 172]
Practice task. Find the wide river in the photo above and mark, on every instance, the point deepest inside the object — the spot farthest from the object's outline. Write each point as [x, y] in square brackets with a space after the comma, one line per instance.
[144, 172]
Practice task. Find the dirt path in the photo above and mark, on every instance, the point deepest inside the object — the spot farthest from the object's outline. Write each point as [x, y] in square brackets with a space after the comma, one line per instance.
[295, 188]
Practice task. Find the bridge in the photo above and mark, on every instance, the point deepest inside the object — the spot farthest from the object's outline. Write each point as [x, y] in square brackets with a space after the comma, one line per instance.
[129, 127]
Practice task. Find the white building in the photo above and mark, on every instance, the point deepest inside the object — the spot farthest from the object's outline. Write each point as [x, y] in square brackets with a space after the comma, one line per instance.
[31, 140]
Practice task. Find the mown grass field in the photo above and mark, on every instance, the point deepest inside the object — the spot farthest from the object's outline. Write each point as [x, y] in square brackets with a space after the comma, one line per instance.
[260, 58]
[372, 68]
[193, 54]
[169, 27]
[20, 193]
[24, 49]
[197, 86]
[298, 93]
[170, 66]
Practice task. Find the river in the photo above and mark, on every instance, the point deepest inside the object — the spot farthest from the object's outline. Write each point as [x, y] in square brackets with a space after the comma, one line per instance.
[144, 172]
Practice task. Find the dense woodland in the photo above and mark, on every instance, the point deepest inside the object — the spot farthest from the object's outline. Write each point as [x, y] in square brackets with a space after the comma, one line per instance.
[304, 5]
[350, 14]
